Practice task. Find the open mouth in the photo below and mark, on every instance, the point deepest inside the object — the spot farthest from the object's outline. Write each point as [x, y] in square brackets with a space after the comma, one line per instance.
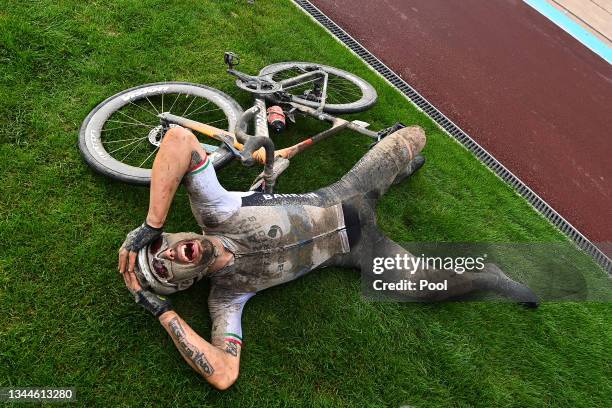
[189, 251]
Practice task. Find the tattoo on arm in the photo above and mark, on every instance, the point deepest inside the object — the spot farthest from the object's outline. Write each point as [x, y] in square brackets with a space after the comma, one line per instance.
[231, 348]
[188, 349]
[195, 159]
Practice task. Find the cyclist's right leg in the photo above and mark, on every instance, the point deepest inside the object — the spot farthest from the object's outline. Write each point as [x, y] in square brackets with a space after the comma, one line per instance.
[380, 167]
[372, 248]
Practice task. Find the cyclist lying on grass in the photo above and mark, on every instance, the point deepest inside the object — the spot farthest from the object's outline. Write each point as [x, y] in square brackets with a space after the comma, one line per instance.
[253, 241]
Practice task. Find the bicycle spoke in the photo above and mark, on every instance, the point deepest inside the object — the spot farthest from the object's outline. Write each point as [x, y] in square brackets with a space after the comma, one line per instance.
[347, 96]
[185, 111]
[149, 156]
[130, 123]
[216, 121]
[339, 97]
[202, 106]
[178, 96]
[123, 140]
[153, 106]
[126, 115]
[339, 90]
[123, 135]
[347, 90]
[127, 145]
[118, 127]
[201, 113]
[127, 155]
[146, 110]
[345, 87]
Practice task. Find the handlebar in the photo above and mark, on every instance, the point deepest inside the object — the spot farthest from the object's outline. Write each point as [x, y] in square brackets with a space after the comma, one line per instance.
[249, 144]
[254, 143]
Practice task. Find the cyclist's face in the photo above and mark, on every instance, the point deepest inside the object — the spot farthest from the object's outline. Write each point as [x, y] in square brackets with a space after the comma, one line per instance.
[176, 259]
[184, 252]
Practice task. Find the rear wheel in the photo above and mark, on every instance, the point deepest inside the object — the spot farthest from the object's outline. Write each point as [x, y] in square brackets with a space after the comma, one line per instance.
[346, 93]
[121, 136]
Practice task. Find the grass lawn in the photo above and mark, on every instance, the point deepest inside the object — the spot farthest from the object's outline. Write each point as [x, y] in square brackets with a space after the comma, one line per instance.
[67, 319]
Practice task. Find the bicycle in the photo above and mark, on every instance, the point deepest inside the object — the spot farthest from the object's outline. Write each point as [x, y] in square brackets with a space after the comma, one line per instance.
[295, 88]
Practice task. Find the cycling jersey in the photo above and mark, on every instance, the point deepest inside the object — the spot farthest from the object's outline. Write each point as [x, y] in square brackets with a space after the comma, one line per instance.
[211, 204]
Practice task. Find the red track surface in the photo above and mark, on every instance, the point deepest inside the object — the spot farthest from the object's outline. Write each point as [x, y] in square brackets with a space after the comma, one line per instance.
[528, 92]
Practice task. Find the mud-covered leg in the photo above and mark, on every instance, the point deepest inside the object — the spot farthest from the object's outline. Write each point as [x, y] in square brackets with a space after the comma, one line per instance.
[376, 171]
[374, 247]
[413, 165]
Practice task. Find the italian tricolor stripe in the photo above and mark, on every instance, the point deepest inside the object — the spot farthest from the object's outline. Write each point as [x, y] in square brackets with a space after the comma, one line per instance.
[200, 167]
[233, 338]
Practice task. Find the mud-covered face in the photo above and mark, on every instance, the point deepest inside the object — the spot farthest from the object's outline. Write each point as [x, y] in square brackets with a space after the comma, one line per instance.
[189, 251]
[181, 256]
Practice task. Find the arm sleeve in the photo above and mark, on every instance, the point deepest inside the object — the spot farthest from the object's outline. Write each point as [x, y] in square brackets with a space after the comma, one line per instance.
[225, 308]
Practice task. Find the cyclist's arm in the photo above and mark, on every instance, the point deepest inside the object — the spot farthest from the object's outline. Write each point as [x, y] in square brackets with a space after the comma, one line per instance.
[179, 152]
[218, 361]
[218, 366]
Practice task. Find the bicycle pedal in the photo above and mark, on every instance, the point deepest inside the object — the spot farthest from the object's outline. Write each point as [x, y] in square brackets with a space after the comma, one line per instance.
[392, 129]
[386, 132]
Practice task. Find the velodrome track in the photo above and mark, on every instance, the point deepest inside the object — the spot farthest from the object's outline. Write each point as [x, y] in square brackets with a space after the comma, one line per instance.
[524, 89]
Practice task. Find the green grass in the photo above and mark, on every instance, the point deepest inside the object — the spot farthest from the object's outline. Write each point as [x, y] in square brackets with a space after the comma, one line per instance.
[67, 319]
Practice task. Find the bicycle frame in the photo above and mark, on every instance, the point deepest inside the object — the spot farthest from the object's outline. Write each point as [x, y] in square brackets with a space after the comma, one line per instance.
[236, 140]
[338, 124]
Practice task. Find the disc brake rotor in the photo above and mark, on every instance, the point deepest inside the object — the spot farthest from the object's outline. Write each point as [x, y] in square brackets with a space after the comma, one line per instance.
[157, 134]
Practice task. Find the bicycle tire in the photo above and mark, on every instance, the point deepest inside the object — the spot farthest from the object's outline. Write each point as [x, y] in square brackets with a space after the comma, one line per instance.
[96, 156]
[368, 97]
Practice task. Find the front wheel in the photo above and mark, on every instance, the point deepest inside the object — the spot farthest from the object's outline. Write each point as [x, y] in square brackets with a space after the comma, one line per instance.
[346, 92]
[120, 137]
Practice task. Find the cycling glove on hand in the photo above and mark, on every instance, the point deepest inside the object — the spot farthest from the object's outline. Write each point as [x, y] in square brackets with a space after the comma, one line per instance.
[155, 304]
[140, 237]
